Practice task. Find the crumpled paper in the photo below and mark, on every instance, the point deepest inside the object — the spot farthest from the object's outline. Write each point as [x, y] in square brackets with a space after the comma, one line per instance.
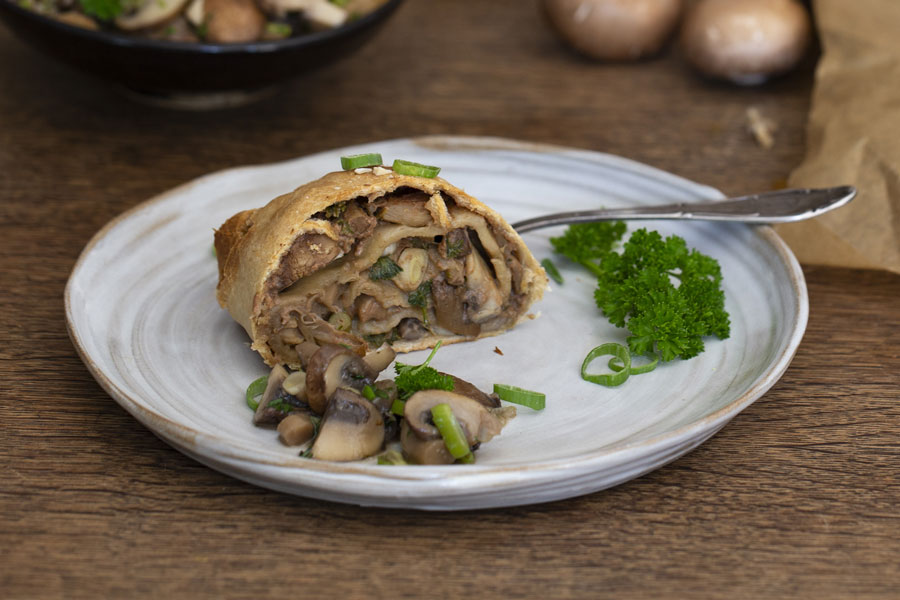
[853, 137]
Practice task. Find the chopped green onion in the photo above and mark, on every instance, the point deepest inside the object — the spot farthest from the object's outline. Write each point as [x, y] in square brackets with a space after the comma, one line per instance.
[617, 366]
[618, 351]
[405, 167]
[368, 392]
[278, 30]
[552, 271]
[451, 431]
[340, 321]
[517, 395]
[398, 406]
[359, 161]
[391, 457]
[255, 390]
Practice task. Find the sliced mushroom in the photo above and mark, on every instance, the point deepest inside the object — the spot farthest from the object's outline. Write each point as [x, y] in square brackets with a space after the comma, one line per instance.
[330, 368]
[195, 13]
[407, 212]
[424, 452]
[411, 329]
[351, 429]
[478, 423]
[150, 13]
[464, 388]
[483, 297]
[379, 359]
[263, 416]
[450, 309]
[305, 351]
[296, 429]
[325, 15]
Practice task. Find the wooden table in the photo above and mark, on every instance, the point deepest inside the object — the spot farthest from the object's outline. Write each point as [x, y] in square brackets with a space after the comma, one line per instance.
[796, 498]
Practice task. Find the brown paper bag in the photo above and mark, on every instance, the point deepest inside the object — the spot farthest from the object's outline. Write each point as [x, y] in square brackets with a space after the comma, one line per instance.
[853, 137]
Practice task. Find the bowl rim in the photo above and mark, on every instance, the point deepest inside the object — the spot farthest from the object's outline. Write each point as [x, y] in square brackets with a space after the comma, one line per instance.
[123, 40]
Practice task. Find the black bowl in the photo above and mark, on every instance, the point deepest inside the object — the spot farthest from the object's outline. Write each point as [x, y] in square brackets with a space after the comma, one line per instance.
[224, 73]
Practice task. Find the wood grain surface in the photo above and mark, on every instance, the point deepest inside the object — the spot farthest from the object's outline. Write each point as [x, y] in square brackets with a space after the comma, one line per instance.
[795, 498]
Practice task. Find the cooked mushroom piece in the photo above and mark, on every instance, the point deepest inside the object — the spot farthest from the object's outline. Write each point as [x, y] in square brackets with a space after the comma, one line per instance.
[464, 388]
[149, 13]
[483, 298]
[424, 452]
[450, 309]
[379, 359]
[264, 416]
[333, 367]
[296, 429]
[477, 422]
[233, 21]
[351, 429]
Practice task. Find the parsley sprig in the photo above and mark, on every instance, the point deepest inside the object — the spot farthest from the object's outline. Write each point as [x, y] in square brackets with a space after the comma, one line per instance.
[412, 378]
[669, 297]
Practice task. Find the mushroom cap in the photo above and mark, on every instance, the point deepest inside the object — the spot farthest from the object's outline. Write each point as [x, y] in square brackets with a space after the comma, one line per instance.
[351, 429]
[614, 29]
[745, 41]
[477, 422]
[330, 368]
[233, 21]
[424, 452]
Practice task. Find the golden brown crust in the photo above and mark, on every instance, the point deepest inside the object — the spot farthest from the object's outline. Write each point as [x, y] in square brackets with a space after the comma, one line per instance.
[251, 244]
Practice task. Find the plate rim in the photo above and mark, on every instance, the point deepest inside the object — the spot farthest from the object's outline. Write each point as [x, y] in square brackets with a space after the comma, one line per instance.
[468, 477]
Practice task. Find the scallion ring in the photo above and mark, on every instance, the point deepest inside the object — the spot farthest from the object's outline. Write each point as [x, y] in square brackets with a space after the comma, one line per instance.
[617, 366]
[611, 380]
[255, 390]
[406, 167]
[516, 395]
[398, 406]
[359, 161]
[552, 271]
[451, 431]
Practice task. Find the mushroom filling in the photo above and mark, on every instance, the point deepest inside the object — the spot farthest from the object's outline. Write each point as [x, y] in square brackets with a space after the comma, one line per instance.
[207, 21]
[338, 412]
[387, 270]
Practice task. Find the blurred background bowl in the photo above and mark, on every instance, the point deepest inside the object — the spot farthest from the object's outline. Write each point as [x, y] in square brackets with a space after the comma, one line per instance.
[186, 74]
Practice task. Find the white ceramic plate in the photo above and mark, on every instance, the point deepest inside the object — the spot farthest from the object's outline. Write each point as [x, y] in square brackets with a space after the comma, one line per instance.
[142, 313]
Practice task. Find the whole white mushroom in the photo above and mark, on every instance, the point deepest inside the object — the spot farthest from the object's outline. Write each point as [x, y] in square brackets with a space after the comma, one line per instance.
[745, 41]
[614, 29]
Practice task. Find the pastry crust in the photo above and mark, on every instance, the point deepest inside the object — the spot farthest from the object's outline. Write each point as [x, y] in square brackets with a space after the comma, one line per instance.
[252, 244]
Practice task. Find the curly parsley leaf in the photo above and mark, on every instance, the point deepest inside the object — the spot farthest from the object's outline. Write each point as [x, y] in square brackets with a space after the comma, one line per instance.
[412, 378]
[669, 297]
[588, 243]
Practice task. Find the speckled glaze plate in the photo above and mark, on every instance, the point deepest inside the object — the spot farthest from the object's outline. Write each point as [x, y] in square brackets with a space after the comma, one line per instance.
[142, 313]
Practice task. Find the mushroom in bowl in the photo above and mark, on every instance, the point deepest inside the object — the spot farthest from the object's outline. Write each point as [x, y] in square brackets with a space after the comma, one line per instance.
[158, 50]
